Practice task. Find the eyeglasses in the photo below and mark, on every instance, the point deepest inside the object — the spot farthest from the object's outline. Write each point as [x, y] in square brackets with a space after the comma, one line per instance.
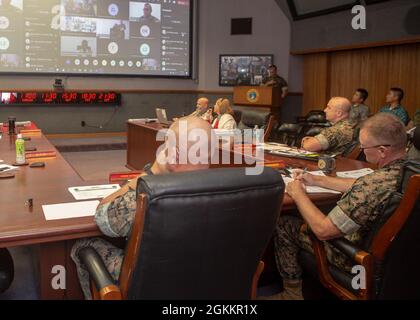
[378, 146]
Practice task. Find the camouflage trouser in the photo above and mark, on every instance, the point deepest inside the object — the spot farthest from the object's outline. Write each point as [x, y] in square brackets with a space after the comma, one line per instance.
[290, 239]
[111, 256]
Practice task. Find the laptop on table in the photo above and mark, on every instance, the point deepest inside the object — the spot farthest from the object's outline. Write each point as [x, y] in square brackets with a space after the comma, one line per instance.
[162, 118]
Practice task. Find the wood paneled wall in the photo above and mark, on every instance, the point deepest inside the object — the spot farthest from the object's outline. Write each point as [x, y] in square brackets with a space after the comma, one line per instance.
[375, 69]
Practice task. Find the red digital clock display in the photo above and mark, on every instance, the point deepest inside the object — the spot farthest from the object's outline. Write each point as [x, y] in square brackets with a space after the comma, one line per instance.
[28, 97]
[57, 98]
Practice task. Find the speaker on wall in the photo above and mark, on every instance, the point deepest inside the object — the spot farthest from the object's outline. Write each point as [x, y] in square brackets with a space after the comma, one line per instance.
[412, 21]
[240, 26]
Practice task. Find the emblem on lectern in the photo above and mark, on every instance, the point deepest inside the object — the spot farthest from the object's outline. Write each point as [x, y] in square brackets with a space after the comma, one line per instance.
[253, 95]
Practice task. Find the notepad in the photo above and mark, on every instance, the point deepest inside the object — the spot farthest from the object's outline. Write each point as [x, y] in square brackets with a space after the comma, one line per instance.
[70, 210]
[93, 192]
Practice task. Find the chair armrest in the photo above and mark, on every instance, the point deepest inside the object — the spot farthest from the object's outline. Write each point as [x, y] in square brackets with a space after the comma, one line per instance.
[361, 257]
[349, 249]
[99, 274]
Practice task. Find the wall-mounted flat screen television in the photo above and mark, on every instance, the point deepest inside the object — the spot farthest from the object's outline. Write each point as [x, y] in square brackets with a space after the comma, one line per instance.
[243, 70]
[96, 37]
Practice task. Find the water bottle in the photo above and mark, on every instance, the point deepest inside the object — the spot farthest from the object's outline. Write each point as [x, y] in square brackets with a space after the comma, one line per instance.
[20, 150]
[258, 139]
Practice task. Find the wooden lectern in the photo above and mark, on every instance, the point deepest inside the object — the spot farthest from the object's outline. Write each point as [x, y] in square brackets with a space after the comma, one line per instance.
[265, 97]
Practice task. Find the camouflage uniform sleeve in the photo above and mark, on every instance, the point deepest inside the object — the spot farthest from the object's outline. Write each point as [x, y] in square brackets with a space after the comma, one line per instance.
[356, 207]
[283, 83]
[115, 219]
[327, 138]
[417, 118]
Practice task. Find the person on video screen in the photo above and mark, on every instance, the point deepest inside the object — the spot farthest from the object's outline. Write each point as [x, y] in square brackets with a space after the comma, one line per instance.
[118, 31]
[84, 48]
[6, 5]
[147, 16]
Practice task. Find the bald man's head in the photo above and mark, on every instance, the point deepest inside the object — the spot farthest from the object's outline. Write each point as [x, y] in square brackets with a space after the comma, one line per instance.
[202, 105]
[188, 145]
[338, 108]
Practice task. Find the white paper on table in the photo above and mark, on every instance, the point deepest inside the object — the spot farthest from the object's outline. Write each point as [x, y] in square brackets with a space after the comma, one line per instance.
[70, 210]
[9, 168]
[226, 132]
[355, 174]
[143, 120]
[272, 146]
[94, 192]
[314, 173]
[312, 189]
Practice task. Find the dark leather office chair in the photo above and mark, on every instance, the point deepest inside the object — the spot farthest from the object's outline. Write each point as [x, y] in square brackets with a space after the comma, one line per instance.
[313, 131]
[310, 113]
[287, 133]
[389, 252]
[251, 117]
[353, 151]
[6, 270]
[196, 235]
[414, 145]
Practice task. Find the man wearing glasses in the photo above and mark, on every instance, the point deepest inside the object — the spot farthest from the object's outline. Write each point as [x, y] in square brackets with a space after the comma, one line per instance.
[384, 140]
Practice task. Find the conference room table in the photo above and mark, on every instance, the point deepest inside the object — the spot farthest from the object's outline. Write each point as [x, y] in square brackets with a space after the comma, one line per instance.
[142, 147]
[25, 225]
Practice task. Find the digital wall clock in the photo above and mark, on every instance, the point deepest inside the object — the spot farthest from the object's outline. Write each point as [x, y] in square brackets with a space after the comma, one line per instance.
[58, 98]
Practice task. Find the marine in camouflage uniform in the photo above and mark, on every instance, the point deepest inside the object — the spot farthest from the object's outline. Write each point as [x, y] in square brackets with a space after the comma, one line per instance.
[354, 216]
[416, 119]
[359, 113]
[115, 220]
[275, 81]
[338, 138]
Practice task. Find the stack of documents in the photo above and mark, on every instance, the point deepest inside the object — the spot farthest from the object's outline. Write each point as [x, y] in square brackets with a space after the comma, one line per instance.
[295, 153]
[313, 189]
[272, 146]
[93, 192]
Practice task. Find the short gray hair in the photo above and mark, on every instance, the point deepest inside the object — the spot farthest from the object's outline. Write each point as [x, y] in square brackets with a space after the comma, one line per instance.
[386, 128]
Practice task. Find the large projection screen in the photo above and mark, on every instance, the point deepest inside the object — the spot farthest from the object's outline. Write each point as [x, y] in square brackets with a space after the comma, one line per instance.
[96, 37]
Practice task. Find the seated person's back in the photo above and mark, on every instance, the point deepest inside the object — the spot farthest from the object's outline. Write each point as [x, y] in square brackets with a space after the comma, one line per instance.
[115, 214]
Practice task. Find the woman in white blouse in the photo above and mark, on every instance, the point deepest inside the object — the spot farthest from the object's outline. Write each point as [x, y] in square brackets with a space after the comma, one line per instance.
[224, 113]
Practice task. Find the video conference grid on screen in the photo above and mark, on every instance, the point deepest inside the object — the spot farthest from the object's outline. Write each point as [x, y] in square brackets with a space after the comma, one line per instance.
[149, 37]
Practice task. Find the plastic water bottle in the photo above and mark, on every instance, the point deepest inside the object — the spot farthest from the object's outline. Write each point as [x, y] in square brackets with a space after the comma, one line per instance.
[20, 150]
[258, 139]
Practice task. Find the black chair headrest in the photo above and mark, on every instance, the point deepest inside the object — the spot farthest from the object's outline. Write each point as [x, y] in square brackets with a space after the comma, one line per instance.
[204, 181]
[252, 117]
[290, 128]
[314, 131]
[316, 118]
